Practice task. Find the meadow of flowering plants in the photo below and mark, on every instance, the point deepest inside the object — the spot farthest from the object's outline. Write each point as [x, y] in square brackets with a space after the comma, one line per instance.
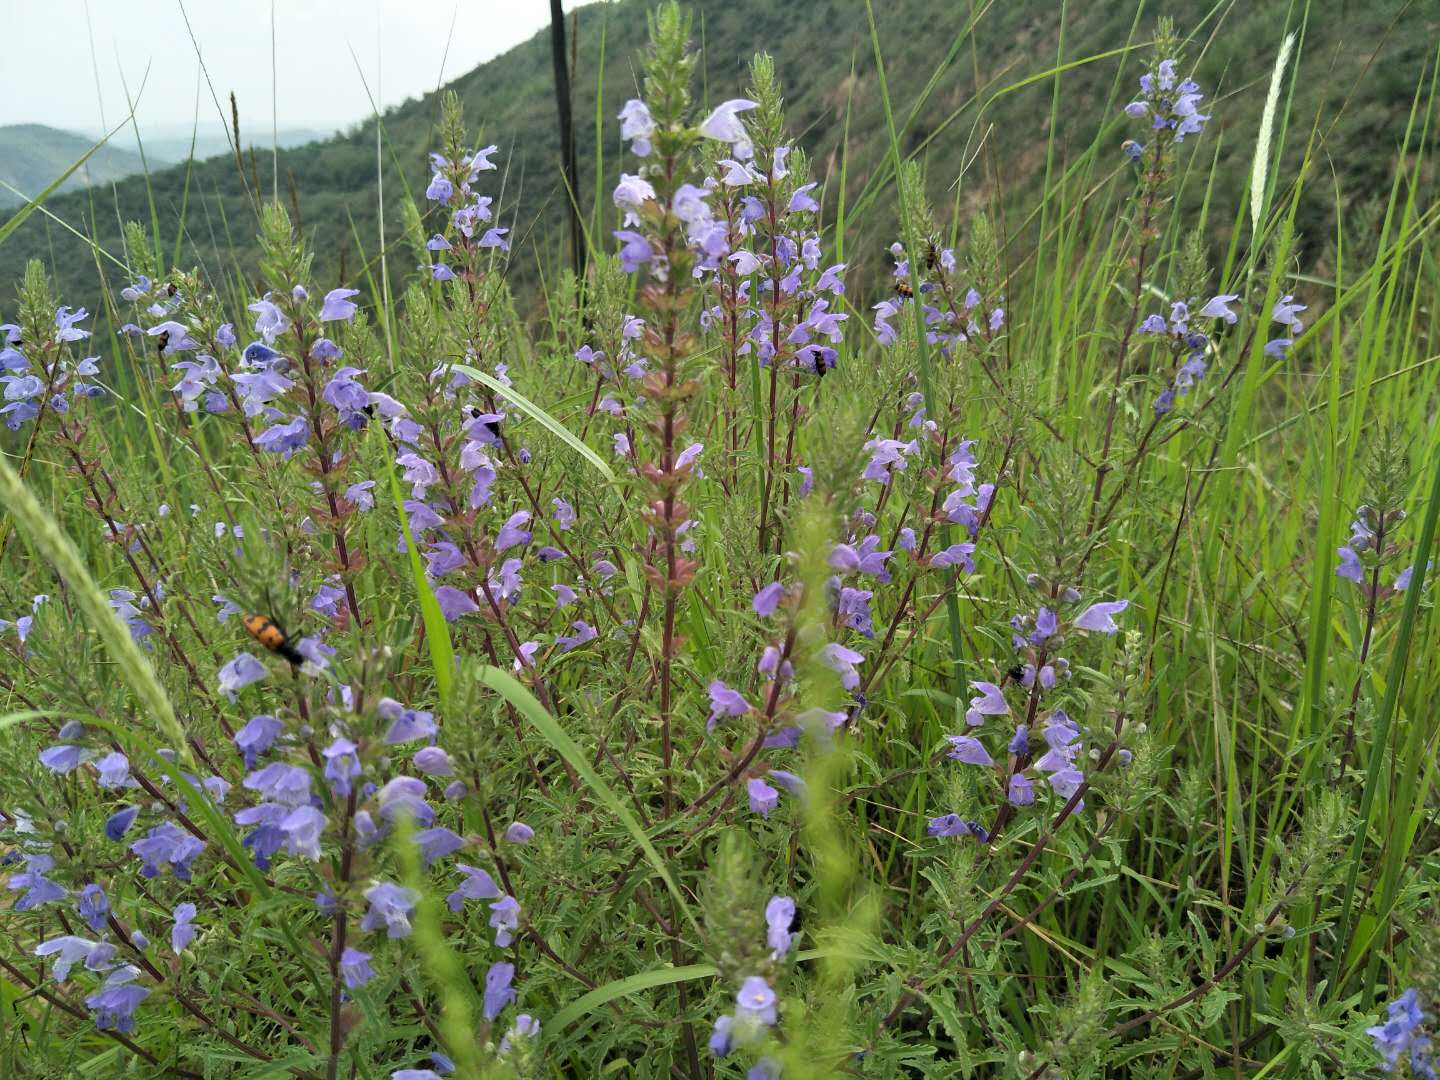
[1022, 666]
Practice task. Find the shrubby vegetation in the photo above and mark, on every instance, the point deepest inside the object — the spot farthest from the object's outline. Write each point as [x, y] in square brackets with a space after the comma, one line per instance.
[729, 675]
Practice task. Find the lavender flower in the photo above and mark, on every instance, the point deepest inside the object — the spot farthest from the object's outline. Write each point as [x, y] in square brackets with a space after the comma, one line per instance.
[517, 832]
[433, 761]
[724, 702]
[960, 555]
[239, 673]
[68, 951]
[505, 918]
[952, 825]
[968, 749]
[768, 599]
[763, 797]
[583, 632]
[843, 662]
[406, 725]
[525, 1027]
[436, 843]
[779, 918]
[118, 823]
[183, 930]
[637, 125]
[476, 884]
[338, 306]
[1350, 568]
[454, 602]
[114, 1004]
[1402, 1031]
[114, 771]
[166, 846]
[512, 532]
[723, 124]
[342, 766]
[391, 907]
[721, 1039]
[1100, 617]
[93, 906]
[756, 1001]
[989, 702]
[355, 968]
[498, 991]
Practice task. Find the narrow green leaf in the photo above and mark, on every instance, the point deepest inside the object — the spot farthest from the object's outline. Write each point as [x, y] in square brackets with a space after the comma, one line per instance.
[437, 631]
[535, 412]
[603, 995]
[645, 980]
[526, 704]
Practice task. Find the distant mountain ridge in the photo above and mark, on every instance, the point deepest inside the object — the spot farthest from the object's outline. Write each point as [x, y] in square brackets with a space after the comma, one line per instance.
[33, 155]
[1360, 62]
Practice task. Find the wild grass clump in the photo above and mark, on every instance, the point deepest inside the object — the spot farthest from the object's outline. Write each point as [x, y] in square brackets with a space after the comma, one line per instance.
[743, 668]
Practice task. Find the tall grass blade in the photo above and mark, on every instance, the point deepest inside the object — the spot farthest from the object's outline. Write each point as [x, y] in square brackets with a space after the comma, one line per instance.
[536, 413]
[437, 630]
[45, 533]
[530, 708]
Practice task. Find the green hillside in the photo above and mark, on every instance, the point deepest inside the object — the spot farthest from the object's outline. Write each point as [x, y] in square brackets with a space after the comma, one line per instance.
[32, 155]
[962, 96]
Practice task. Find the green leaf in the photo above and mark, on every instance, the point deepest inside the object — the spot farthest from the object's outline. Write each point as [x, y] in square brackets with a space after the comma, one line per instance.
[527, 705]
[603, 995]
[535, 412]
[645, 980]
[437, 630]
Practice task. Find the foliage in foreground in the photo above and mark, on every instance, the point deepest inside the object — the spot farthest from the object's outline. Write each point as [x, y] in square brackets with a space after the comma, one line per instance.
[728, 678]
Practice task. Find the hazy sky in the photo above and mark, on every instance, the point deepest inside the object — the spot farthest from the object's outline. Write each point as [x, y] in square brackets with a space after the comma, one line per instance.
[50, 71]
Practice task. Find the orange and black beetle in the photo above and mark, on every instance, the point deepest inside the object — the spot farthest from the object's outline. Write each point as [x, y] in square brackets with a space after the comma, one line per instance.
[272, 637]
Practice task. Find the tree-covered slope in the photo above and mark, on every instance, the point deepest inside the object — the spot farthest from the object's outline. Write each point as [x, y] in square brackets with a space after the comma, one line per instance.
[973, 97]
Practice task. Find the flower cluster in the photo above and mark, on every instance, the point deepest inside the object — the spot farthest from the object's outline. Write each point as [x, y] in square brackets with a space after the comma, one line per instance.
[1044, 742]
[1405, 1034]
[1173, 107]
[58, 378]
[756, 1004]
[1187, 340]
